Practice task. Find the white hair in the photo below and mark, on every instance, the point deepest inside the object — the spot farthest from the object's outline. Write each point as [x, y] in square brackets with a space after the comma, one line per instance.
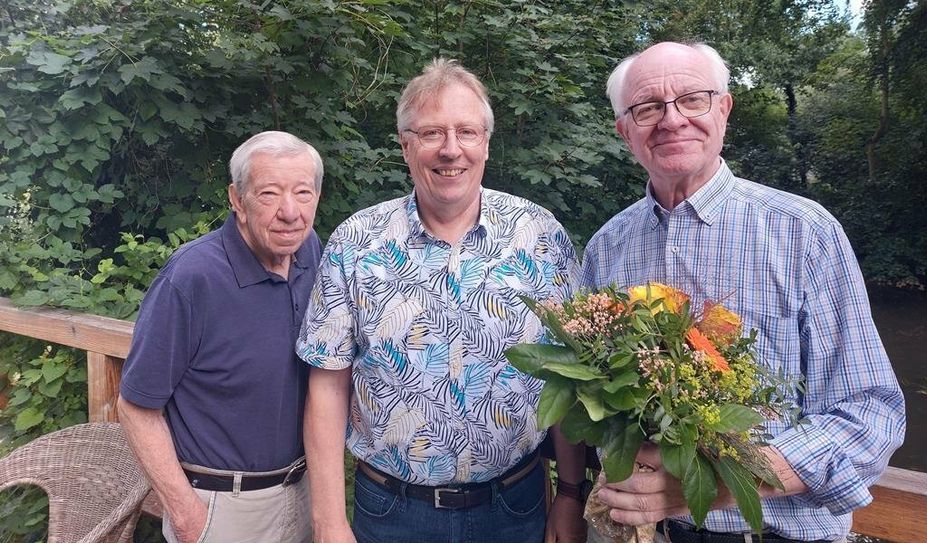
[438, 75]
[615, 86]
[273, 143]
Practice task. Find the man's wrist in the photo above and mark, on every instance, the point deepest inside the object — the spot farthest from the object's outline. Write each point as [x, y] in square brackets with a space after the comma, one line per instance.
[576, 491]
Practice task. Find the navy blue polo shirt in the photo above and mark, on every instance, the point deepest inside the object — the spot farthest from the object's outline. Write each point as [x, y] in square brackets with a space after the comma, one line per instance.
[214, 347]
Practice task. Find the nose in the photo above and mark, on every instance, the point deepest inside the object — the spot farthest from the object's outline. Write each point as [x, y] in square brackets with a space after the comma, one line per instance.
[288, 210]
[451, 147]
[672, 119]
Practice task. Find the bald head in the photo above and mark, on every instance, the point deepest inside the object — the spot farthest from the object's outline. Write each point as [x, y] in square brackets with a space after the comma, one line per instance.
[670, 57]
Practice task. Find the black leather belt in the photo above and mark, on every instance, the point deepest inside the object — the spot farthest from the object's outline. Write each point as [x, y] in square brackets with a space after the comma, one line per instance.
[226, 483]
[683, 533]
[452, 497]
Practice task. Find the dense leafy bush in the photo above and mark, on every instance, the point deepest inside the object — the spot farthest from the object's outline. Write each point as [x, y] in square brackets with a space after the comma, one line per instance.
[117, 118]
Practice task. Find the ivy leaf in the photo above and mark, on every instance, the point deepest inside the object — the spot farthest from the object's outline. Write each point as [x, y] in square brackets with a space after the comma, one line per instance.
[52, 370]
[51, 390]
[33, 298]
[61, 202]
[76, 98]
[699, 488]
[736, 418]
[21, 396]
[556, 399]
[143, 69]
[48, 62]
[743, 486]
[27, 418]
[620, 450]
[531, 358]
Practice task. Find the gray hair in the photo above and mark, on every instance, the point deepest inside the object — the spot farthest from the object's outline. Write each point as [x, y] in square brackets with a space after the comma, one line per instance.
[615, 86]
[439, 74]
[276, 144]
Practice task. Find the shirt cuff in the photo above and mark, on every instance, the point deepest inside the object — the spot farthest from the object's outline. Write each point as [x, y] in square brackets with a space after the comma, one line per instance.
[824, 467]
[326, 362]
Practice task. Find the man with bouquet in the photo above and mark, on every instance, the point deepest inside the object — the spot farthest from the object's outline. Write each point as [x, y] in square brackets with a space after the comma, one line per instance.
[785, 266]
[416, 302]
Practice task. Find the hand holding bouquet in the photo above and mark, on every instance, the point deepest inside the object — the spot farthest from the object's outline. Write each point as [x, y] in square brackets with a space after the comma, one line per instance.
[640, 365]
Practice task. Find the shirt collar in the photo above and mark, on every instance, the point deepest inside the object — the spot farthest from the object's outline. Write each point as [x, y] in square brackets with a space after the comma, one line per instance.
[706, 202]
[245, 265]
[417, 228]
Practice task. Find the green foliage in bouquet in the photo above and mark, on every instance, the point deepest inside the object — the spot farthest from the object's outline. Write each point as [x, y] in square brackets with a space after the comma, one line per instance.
[639, 365]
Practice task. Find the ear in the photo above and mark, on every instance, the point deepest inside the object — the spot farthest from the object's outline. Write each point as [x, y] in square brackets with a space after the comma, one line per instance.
[235, 200]
[622, 130]
[405, 142]
[725, 105]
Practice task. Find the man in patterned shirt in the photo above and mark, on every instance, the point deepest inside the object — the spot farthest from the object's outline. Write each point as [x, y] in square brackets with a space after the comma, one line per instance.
[785, 265]
[416, 302]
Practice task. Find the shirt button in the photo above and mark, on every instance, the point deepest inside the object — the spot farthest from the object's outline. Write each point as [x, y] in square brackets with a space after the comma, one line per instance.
[675, 249]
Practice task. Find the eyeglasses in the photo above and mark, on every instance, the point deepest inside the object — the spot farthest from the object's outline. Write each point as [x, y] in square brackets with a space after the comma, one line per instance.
[433, 137]
[689, 105]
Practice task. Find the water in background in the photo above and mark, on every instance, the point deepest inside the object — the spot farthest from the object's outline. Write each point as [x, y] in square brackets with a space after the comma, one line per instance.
[901, 317]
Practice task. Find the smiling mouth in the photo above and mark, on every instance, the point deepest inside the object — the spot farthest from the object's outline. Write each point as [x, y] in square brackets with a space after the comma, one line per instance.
[449, 173]
[673, 142]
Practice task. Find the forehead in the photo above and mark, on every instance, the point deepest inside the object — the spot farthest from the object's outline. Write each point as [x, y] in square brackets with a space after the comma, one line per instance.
[452, 105]
[269, 168]
[664, 72]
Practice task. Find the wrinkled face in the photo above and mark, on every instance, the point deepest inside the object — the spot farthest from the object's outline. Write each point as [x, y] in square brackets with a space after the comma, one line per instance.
[678, 148]
[448, 177]
[276, 212]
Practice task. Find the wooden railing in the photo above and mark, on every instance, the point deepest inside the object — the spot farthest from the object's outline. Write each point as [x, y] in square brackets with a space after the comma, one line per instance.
[898, 514]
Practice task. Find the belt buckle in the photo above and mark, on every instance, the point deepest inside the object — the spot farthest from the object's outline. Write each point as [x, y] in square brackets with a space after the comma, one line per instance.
[295, 473]
[438, 492]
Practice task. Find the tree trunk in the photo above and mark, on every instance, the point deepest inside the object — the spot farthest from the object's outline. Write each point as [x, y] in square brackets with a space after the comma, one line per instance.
[882, 72]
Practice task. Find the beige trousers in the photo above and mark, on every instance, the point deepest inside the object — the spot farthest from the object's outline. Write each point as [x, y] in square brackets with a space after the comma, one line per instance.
[273, 515]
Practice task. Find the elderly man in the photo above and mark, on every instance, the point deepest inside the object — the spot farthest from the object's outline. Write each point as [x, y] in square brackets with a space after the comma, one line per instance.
[785, 265]
[212, 393]
[416, 302]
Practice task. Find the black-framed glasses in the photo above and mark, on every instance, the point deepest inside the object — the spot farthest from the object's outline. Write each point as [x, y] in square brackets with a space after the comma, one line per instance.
[433, 137]
[689, 105]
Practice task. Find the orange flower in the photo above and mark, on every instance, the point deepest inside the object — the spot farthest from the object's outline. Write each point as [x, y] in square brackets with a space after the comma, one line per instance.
[671, 298]
[720, 324]
[699, 342]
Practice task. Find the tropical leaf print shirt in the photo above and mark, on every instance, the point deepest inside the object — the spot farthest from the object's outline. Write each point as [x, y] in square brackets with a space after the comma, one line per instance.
[424, 326]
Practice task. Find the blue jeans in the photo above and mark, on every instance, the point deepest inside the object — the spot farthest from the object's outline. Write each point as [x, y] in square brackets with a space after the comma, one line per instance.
[516, 514]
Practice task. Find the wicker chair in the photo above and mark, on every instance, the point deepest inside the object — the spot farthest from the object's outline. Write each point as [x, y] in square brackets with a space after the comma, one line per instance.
[95, 487]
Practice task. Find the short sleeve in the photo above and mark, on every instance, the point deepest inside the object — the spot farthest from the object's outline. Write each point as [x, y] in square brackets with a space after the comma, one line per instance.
[327, 338]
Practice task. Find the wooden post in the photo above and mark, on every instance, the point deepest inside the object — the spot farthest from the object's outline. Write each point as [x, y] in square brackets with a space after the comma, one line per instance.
[103, 373]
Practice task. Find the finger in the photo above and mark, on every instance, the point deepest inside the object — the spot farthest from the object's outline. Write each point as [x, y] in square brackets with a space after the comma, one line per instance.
[647, 482]
[631, 501]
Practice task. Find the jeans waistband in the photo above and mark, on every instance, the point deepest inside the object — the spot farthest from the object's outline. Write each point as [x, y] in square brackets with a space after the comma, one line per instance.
[452, 496]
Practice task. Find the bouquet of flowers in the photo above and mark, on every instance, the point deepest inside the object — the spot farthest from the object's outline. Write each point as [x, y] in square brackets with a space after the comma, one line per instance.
[640, 365]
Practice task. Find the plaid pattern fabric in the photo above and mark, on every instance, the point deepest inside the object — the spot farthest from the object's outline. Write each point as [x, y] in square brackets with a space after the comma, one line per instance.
[785, 265]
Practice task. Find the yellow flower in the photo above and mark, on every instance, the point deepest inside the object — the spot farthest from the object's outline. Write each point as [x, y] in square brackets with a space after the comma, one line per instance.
[671, 298]
[720, 324]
